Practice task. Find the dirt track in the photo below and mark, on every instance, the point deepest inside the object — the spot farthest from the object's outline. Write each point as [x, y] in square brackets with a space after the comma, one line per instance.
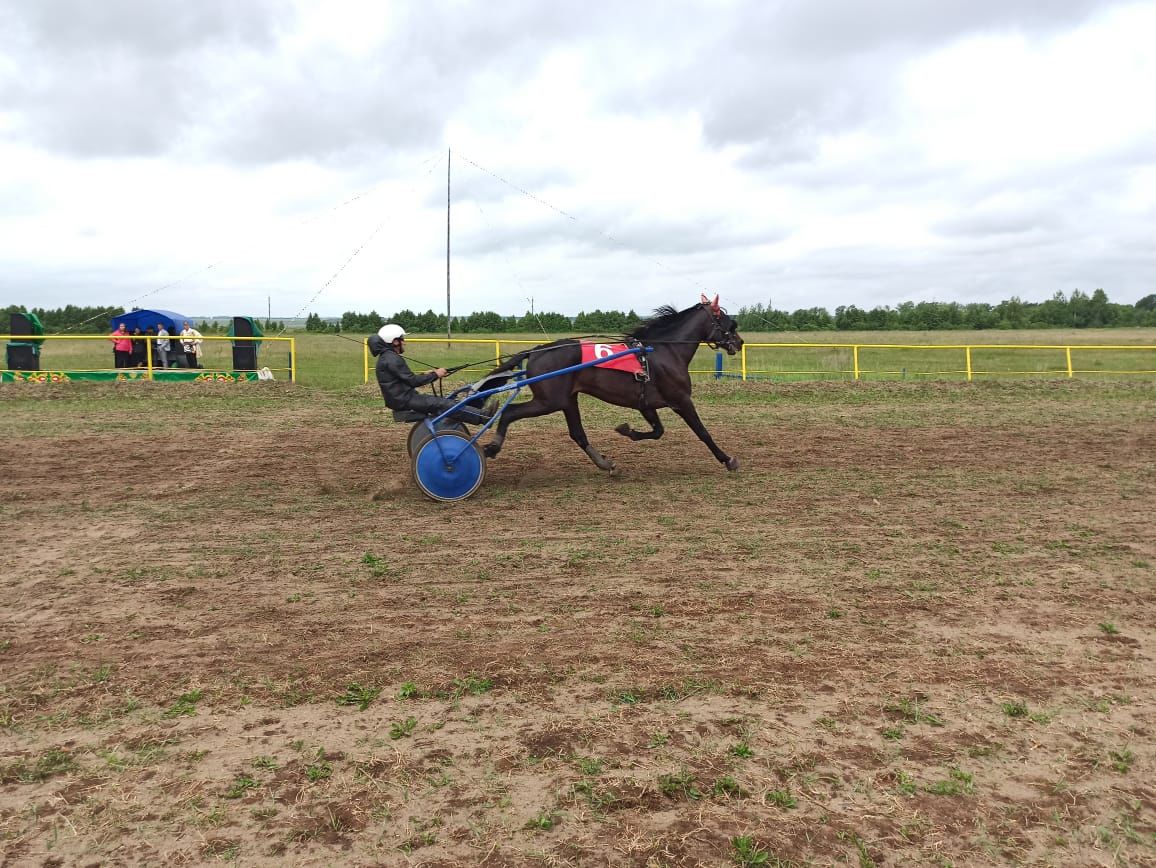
[916, 627]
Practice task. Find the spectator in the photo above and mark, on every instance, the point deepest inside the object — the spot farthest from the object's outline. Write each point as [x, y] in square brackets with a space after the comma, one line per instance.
[136, 358]
[121, 346]
[163, 345]
[191, 344]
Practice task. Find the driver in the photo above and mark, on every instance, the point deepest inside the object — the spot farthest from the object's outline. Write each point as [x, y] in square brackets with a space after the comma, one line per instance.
[399, 384]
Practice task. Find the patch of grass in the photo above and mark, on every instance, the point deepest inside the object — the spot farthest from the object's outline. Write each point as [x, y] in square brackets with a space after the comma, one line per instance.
[893, 733]
[904, 783]
[865, 860]
[1109, 628]
[223, 851]
[913, 710]
[680, 785]
[318, 771]
[265, 762]
[589, 765]
[1121, 759]
[1015, 709]
[729, 787]
[676, 692]
[781, 799]
[627, 696]
[409, 690]
[241, 785]
[598, 798]
[958, 783]
[186, 704]
[209, 819]
[544, 821]
[472, 684]
[659, 739]
[357, 695]
[742, 750]
[403, 728]
[834, 613]
[745, 851]
[52, 762]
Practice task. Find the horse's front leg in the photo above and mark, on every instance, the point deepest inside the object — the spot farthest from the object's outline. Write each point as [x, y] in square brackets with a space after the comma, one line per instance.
[651, 416]
[578, 435]
[689, 415]
[537, 406]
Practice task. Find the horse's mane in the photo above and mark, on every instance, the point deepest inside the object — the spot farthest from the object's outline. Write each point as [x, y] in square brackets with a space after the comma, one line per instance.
[660, 323]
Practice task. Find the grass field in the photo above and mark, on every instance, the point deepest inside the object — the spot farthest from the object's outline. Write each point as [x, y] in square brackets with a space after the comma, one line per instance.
[332, 361]
[915, 628]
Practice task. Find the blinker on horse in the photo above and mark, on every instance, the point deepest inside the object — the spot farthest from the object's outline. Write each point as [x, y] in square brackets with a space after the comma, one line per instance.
[675, 337]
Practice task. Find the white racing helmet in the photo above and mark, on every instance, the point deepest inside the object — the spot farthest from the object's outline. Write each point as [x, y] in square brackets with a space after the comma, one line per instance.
[390, 332]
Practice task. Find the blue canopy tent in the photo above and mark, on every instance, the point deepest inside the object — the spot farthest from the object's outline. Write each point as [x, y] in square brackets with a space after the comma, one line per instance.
[148, 319]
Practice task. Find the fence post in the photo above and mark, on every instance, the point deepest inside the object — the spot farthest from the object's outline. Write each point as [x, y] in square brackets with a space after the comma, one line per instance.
[744, 359]
[497, 351]
[1068, 353]
[968, 351]
[364, 359]
[718, 366]
[293, 359]
[855, 357]
[149, 357]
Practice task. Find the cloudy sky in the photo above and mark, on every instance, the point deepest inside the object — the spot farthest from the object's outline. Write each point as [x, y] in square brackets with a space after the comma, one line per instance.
[211, 156]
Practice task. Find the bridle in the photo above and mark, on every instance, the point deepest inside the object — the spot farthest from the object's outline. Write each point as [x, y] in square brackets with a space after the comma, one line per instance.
[720, 336]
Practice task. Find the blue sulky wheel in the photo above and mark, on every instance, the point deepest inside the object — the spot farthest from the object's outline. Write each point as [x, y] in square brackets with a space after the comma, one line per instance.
[448, 467]
[419, 433]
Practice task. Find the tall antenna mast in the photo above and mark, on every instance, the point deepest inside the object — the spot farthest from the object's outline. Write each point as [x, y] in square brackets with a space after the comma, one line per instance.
[449, 156]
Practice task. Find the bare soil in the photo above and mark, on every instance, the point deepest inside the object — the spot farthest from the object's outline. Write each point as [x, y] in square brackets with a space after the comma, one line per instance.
[917, 627]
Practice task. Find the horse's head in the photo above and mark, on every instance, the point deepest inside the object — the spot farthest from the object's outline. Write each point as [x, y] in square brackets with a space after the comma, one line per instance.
[724, 330]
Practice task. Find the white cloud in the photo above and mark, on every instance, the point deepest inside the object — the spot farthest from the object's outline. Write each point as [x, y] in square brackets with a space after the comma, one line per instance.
[816, 153]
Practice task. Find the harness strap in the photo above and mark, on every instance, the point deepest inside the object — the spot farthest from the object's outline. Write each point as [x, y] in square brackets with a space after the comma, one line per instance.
[642, 377]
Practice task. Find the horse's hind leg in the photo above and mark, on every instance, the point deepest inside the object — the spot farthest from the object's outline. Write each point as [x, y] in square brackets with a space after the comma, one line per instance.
[651, 416]
[578, 435]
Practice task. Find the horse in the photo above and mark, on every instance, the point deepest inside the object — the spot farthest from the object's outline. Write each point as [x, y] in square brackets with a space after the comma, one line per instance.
[675, 337]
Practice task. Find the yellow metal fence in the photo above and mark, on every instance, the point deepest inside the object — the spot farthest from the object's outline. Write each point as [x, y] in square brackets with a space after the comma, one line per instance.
[962, 361]
[59, 358]
[856, 361]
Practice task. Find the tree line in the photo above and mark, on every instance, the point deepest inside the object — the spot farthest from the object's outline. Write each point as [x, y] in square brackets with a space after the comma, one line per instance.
[481, 322]
[86, 320]
[1078, 310]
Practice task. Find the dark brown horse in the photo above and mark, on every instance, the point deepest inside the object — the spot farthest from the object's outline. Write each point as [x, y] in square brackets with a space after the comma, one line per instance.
[675, 337]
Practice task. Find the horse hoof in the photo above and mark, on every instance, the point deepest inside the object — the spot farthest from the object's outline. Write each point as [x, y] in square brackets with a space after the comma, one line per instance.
[732, 464]
[623, 429]
[491, 450]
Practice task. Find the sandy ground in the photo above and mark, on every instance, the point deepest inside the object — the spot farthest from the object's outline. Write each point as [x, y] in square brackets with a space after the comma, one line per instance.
[916, 628]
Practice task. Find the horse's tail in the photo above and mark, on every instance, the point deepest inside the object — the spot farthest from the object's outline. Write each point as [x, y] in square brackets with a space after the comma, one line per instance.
[516, 360]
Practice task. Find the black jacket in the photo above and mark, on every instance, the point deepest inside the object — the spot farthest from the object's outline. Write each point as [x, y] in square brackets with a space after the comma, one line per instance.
[398, 383]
